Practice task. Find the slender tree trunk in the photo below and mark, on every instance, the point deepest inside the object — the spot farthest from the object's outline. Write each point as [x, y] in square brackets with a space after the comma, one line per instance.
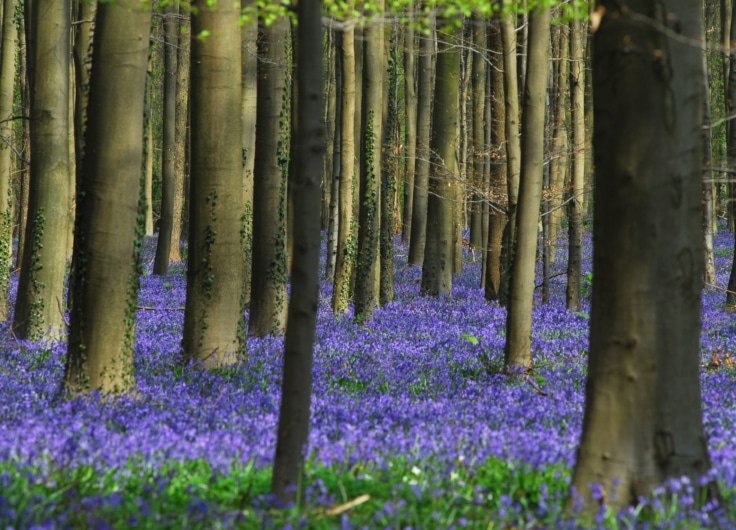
[367, 269]
[336, 140]
[329, 120]
[709, 267]
[513, 150]
[181, 134]
[410, 138]
[389, 170]
[521, 290]
[424, 116]
[168, 171]
[731, 148]
[21, 209]
[346, 244]
[268, 280]
[643, 418]
[84, 29]
[105, 270]
[40, 299]
[497, 215]
[575, 209]
[478, 180]
[439, 252]
[214, 331]
[148, 151]
[308, 145]
[249, 111]
[7, 91]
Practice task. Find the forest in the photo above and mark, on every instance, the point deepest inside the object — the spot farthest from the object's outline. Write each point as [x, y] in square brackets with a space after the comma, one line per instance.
[385, 264]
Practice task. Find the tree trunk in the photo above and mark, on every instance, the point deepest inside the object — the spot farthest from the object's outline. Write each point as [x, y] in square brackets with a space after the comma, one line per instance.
[248, 112]
[731, 148]
[410, 139]
[214, 331]
[168, 171]
[497, 214]
[424, 116]
[643, 419]
[181, 134]
[346, 244]
[389, 170]
[575, 208]
[330, 91]
[335, 160]
[440, 239]
[308, 151]
[521, 290]
[268, 280]
[40, 299]
[7, 92]
[513, 150]
[707, 198]
[367, 270]
[105, 270]
[478, 181]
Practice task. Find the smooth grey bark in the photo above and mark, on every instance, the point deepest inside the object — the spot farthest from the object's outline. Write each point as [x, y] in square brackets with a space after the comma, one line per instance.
[248, 113]
[410, 138]
[425, 83]
[168, 119]
[214, 325]
[7, 91]
[643, 418]
[268, 277]
[346, 244]
[104, 279]
[439, 252]
[40, 299]
[518, 355]
[308, 150]
[707, 191]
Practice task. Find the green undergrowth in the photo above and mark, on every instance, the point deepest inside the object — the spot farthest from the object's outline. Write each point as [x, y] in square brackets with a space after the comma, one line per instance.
[395, 494]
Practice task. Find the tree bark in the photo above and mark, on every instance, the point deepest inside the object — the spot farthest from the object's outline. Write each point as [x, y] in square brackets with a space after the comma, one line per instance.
[643, 413]
[268, 279]
[521, 290]
[440, 238]
[478, 180]
[41, 284]
[168, 170]
[7, 91]
[424, 116]
[410, 138]
[309, 147]
[249, 111]
[214, 331]
[105, 270]
[346, 244]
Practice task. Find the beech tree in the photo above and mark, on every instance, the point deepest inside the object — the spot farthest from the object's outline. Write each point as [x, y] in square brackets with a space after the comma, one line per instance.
[643, 417]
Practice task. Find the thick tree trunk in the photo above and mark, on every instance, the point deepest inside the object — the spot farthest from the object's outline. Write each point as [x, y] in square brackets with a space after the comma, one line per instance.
[367, 269]
[440, 239]
[214, 331]
[7, 91]
[346, 244]
[643, 419]
[521, 290]
[104, 279]
[168, 171]
[268, 279]
[38, 308]
[575, 209]
[424, 116]
[308, 151]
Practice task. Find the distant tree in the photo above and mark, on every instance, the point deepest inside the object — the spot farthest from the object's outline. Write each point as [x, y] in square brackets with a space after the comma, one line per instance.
[181, 131]
[643, 411]
[425, 84]
[308, 144]
[248, 115]
[521, 289]
[168, 148]
[214, 326]
[478, 178]
[104, 280]
[7, 92]
[269, 276]
[40, 300]
[440, 229]
[410, 139]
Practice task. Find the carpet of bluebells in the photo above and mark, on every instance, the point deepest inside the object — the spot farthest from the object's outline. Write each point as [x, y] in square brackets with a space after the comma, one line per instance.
[411, 420]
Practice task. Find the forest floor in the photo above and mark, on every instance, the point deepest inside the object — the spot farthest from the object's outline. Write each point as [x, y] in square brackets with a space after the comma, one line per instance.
[413, 425]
